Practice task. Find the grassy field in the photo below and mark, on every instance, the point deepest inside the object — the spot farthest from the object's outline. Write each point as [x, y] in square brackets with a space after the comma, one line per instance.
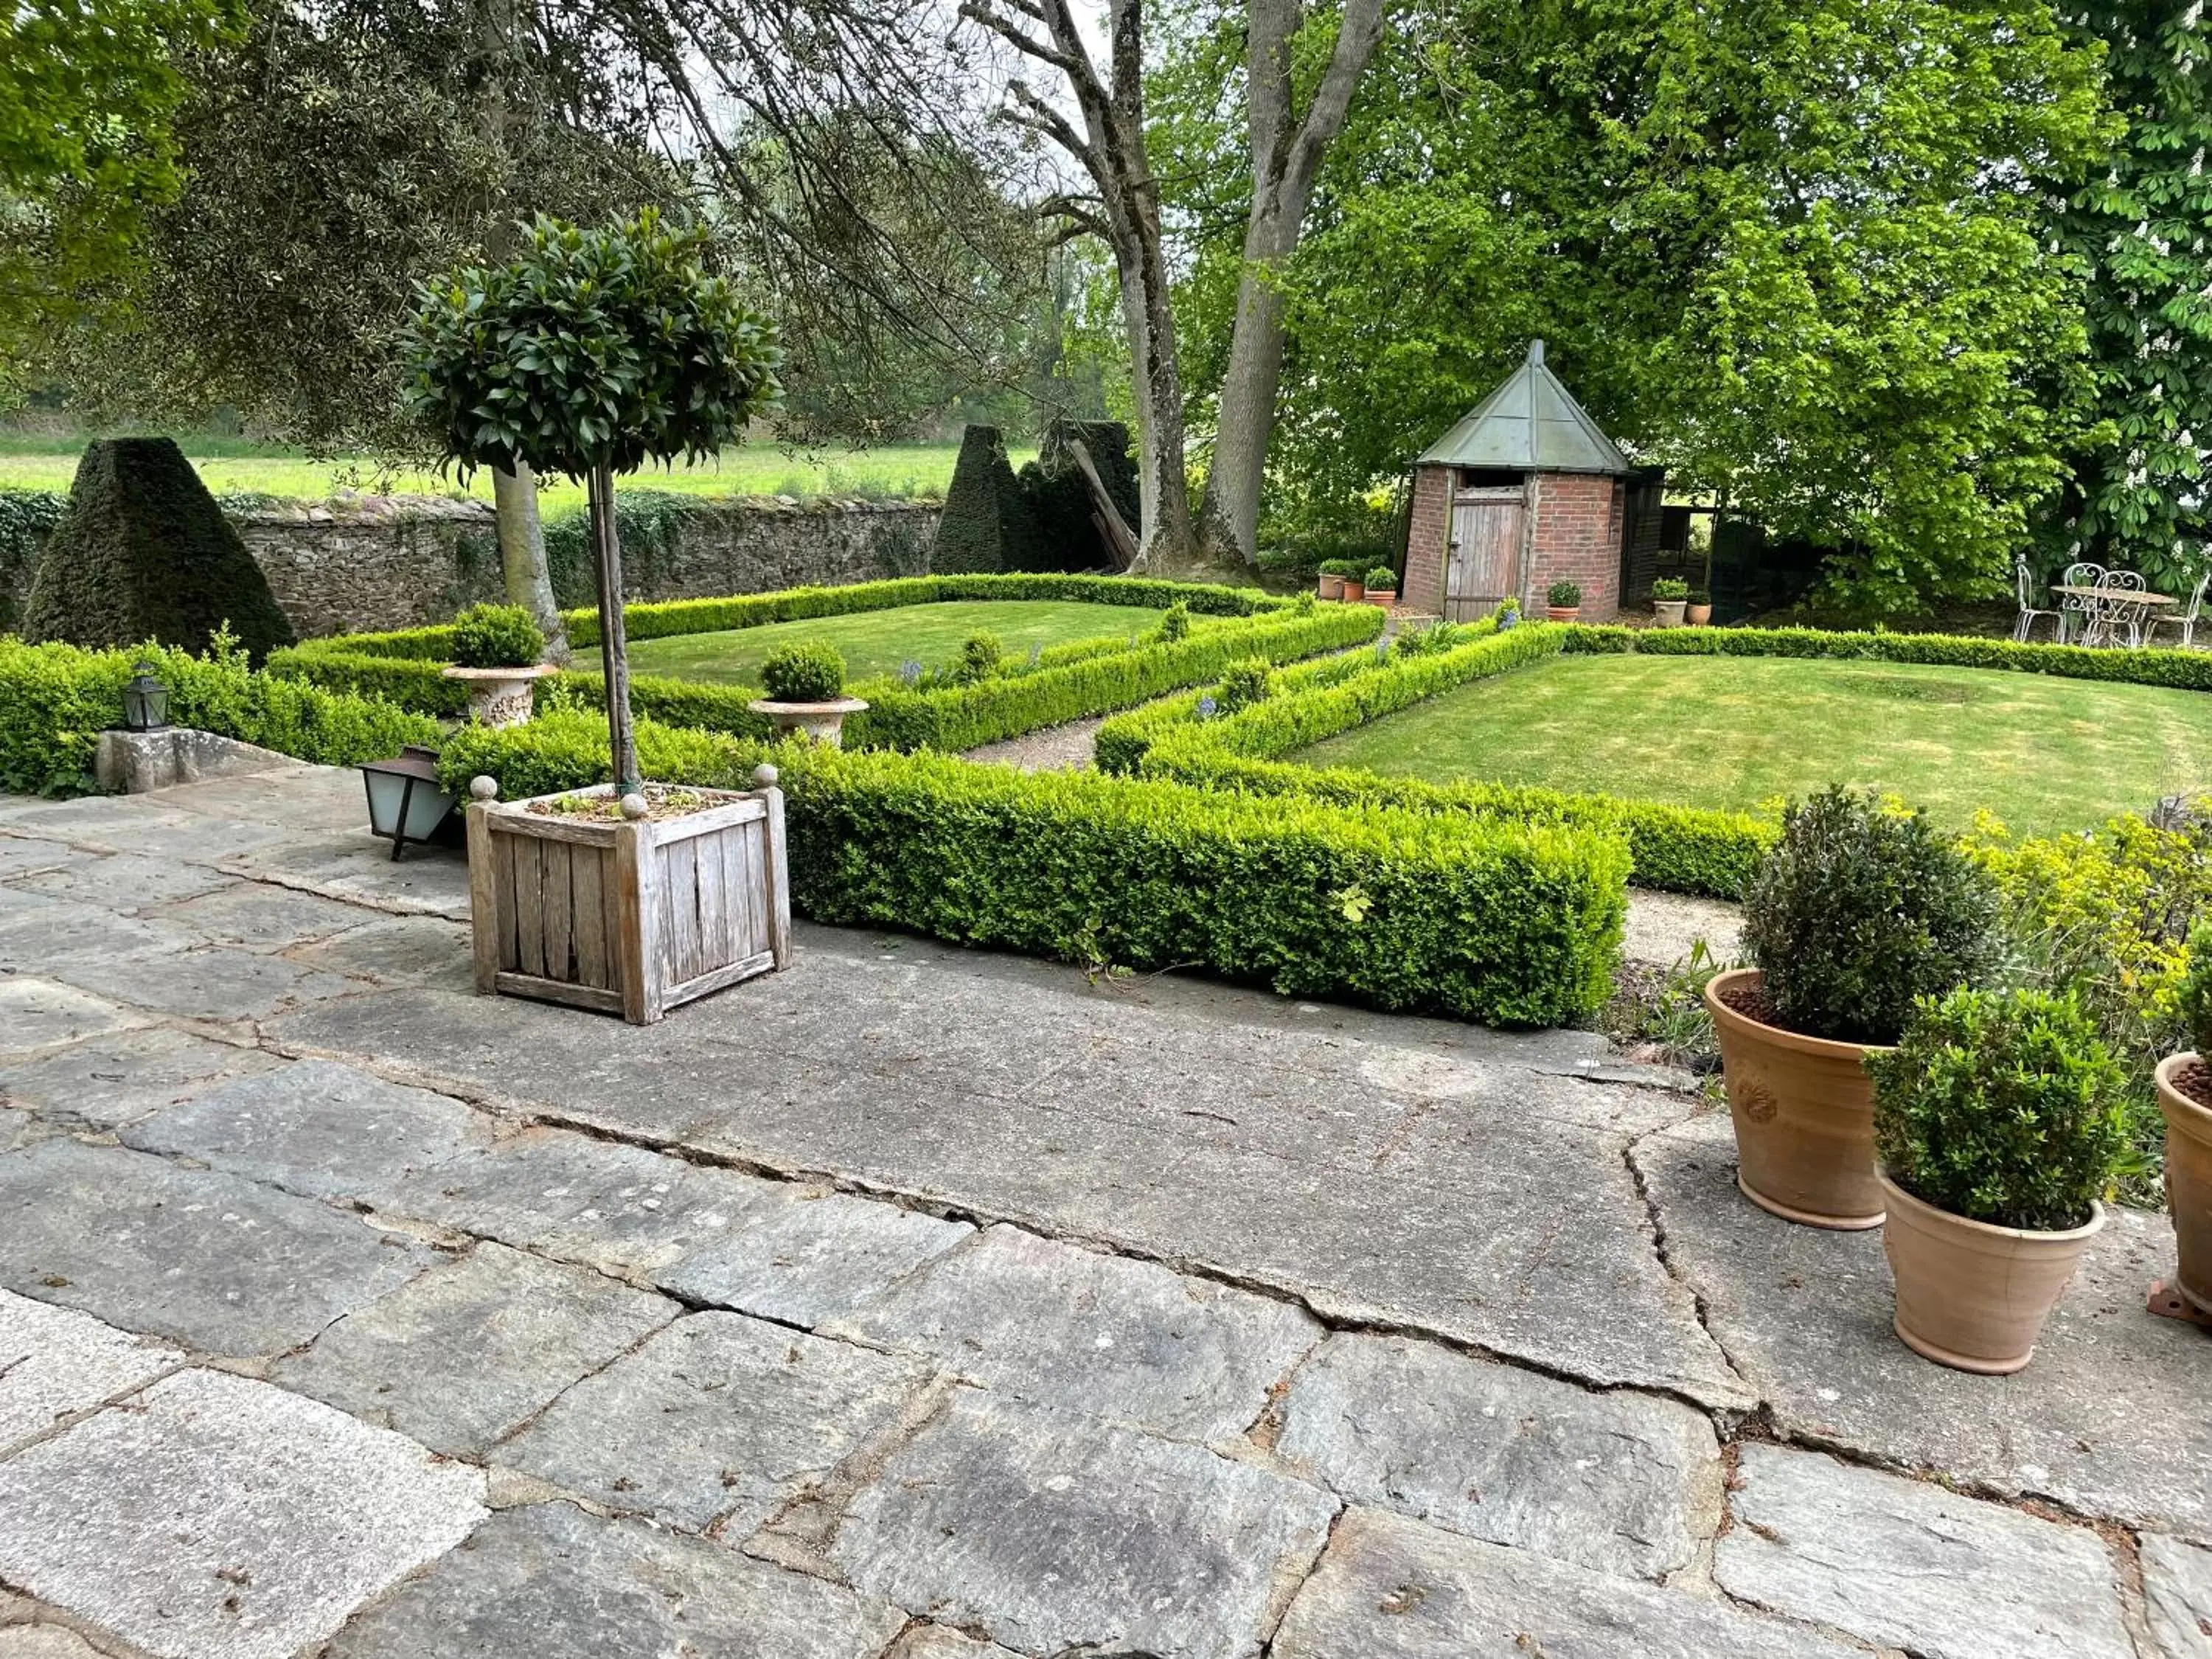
[907, 470]
[2046, 754]
[879, 642]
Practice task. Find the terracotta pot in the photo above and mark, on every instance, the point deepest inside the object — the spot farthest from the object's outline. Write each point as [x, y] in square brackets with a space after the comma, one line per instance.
[1332, 586]
[818, 722]
[2188, 1184]
[1668, 612]
[1354, 591]
[1972, 1296]
[1804, 1109]
[1385, 597]
[1562, 612]
[1697, 615]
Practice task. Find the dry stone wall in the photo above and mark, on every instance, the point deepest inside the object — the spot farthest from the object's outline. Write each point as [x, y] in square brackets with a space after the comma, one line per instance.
[362, 562]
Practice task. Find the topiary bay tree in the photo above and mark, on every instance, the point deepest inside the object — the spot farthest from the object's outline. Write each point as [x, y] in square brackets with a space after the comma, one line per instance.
[590, 354]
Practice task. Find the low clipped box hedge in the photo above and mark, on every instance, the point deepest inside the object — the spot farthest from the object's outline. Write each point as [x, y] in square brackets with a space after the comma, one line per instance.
[1508, 923]
[55, 700]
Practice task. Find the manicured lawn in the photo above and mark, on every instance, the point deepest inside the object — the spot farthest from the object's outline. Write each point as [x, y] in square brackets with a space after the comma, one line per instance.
[878, 641]
[2046, 754]
[752, 470]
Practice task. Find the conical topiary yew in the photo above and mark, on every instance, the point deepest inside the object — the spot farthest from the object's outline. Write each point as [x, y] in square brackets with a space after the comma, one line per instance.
[143, 552]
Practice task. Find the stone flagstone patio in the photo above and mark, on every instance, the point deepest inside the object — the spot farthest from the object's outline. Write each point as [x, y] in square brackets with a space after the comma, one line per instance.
[917, 1304]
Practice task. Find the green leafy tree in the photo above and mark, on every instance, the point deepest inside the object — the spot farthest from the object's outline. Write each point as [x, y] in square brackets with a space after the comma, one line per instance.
[592, 353]
[88, 88]
[1794, 252]
[2142, 223]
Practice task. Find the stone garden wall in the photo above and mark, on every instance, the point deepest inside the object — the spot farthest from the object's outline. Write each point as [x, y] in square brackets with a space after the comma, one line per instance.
[366, 562]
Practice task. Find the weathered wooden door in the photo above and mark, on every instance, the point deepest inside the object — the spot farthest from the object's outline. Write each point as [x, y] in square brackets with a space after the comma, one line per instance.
[1484, 554]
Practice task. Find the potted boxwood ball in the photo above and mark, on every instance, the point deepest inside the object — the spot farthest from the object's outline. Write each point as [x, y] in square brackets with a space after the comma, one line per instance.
[1670, 597]
[1858, 911]
[2184, 1096]
[1355, 583]
[1381, 586]
[496, 649]
[2001, 1120]
[805, 688]
[1698, 611]
[1563, 602]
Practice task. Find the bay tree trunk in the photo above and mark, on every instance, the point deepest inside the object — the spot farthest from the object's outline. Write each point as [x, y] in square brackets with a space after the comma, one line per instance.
[1230, 519]
[614, 646]
[523, 573]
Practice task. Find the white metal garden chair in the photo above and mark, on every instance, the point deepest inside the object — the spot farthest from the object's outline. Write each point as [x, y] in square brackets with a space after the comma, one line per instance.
[2024, 583]
[2186, 620]
[2118, 616]
[2075, 611]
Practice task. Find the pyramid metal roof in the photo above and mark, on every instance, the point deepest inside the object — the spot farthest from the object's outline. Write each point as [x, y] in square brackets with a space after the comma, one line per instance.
[1531, 423]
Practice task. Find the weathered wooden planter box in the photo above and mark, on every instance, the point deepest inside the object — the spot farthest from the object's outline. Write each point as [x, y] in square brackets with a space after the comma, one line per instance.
[627, 916]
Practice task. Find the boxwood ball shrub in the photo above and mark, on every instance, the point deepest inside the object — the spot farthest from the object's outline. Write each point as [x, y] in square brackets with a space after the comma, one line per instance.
[1860, 910]
[1565, 595]
[1381, 578]
[810, 671]
[497, 636]
[2003, 1106]
[1245, 684]
[2194, 999]
[1670, 587]
[1175, 623]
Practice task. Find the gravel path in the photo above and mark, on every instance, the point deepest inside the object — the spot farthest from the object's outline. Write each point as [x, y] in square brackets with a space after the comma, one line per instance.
[1056, 749]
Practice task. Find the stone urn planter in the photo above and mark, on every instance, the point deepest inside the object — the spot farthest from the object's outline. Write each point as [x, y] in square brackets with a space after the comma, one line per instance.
[818, 722]
[631, 906]
[1803, 1111]
[1667, 613]
[502, 696]
[1330, 585]
[2188, 1179]
[1972, 1296]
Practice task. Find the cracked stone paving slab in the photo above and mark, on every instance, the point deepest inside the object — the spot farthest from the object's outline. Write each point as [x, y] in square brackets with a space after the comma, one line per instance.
[103, 1082]
[171, 1525]
[1905, 1564]
[716, 1418]
[56, 1361]
[216, 1262]
[1049, 1533]
[1393, 1588]
[1501, 1221]
[549, 1581]
[1621, 1482]
[2109, 1420]
[1066, 1326]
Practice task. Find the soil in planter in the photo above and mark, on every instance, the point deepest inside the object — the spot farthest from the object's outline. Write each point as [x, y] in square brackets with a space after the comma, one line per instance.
[662, 801]
[2194, 1082]
[1750, 1000]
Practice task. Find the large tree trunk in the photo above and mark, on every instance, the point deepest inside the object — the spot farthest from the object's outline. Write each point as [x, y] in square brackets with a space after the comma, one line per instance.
[523, 570]
[1286, 155]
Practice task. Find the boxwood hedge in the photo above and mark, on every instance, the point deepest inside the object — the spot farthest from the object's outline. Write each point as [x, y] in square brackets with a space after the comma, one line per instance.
[1511, 923]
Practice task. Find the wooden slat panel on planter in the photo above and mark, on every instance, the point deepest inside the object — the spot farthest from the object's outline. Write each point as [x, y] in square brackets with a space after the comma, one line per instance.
[558, 897]
[505, 847]
[740, 908]
[585, 872]
[529, 908]
[679, 912]
[713, 899]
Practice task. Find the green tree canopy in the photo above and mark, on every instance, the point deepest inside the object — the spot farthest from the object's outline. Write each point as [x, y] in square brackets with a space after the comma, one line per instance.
[2141, 224]
[1794, 252]
[87, 91]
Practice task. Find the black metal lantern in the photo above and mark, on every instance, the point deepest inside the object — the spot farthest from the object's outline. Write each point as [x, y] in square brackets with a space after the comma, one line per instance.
[404, 802]
[145, 702]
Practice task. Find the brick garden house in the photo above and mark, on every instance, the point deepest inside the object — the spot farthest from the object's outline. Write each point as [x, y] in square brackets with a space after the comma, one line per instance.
[1524, 491]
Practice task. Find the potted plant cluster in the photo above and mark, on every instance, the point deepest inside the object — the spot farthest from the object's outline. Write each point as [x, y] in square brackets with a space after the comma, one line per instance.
[1334, 574]
[592, 354]
[496, 651]
[1563, 602]
[805, 685]
[1698, 611]
[1670, 597]
[2184, 1097]
[1381, 586]
[1858, 911]
[2001, 1120]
